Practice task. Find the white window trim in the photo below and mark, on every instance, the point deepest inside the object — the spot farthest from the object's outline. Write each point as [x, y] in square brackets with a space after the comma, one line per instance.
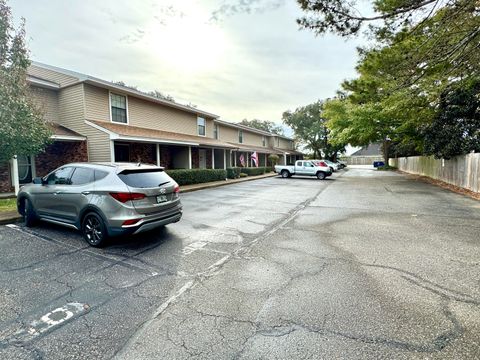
[205, 126]
[110, 107]
[264, 140]
[218, 131]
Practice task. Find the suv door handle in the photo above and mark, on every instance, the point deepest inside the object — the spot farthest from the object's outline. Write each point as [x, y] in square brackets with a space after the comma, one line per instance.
[57, 192]
[85, 192]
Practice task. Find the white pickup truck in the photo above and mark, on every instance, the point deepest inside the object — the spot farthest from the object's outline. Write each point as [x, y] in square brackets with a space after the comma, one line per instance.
[305, 167]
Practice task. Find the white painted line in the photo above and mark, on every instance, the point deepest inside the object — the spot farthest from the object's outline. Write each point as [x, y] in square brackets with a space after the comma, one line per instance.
[55, 318]
[187, 250]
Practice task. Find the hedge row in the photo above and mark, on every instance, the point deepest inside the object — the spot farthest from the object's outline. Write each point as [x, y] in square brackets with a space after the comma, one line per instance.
[197, 176]
[254, 171]
[234, 172]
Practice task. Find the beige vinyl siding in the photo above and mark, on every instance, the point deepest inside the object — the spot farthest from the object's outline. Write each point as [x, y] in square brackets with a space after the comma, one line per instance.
[285, 144]
[96, 103]
[50, 75]
[143, 113]
[250, 138]
[72, 115]
[46, 101]
[230, 134]
[227, 134]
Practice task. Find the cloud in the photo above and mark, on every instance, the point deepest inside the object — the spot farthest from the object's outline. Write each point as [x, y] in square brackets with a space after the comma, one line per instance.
[234, 7]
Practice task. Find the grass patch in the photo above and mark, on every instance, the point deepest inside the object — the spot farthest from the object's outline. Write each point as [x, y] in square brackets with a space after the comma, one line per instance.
[8, 205]
[386, 168]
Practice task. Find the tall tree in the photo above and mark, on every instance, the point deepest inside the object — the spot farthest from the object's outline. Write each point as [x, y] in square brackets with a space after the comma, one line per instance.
[310, 128]
[22, 128]
[264, 125]
[455, 129]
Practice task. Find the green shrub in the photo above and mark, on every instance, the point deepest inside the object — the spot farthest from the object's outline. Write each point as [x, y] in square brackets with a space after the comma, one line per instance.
[197, 176]
[253, 171]
[233, 172]
[386, 168]
[242, 175]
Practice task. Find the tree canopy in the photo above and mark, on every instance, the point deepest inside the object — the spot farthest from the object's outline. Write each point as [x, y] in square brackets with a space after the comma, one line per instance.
[264, 125]
[22, 128]
[311, 130]
[423, 53]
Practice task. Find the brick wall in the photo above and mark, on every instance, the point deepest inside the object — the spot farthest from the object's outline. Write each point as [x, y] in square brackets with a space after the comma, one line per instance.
[144, 153]
[195, 158]
[5, 181]
[60, 153]
[165, 157]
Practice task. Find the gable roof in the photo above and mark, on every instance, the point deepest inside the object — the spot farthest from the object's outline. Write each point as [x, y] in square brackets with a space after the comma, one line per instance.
[369, 150]
[82, 78]
[248, 128]
[130, 132]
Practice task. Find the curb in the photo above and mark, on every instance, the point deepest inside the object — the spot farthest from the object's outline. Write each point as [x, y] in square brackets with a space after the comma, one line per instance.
[224, 183]
[16, 218]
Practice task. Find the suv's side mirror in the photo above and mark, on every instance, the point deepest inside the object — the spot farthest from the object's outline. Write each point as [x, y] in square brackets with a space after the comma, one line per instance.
[38, 180]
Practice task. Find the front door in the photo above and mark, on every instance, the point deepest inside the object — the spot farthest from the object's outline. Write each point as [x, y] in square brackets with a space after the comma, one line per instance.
[202, 158]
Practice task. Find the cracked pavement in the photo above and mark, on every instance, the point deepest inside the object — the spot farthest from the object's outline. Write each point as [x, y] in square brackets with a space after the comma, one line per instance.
[363, 265]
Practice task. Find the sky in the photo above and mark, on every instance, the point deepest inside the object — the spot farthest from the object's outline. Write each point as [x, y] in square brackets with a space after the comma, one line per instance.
[239, 59]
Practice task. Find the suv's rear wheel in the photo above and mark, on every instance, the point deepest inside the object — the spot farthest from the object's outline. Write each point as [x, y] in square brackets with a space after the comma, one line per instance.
[94, 230]
[320, 175]
[285, 174]
[29, 216]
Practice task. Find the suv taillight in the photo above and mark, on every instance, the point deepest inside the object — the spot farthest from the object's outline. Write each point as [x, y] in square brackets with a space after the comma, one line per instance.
[123, 197]
[176, 189]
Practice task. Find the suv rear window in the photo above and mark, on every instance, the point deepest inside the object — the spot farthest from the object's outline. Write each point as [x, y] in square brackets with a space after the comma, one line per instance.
[144, 178]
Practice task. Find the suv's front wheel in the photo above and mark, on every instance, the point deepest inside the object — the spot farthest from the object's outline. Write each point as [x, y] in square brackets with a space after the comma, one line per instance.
[29, 216]
[94, 230]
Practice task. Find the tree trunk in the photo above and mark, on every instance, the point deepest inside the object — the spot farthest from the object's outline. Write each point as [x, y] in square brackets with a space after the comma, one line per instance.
[386, 150]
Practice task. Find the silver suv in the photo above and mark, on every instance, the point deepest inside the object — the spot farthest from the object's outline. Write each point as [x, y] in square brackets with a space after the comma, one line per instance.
[103, 199]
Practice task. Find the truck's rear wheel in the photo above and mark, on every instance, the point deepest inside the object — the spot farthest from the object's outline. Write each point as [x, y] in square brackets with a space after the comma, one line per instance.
[285, 174]
[320, 175]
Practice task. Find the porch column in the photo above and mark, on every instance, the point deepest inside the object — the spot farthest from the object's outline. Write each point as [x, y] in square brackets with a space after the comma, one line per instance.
[189, 157]
[16, 183]
[284, 159]
[158, 154]
[266, 160]
[224, 159]
[213, 158]
[112, 151]
[235, 158]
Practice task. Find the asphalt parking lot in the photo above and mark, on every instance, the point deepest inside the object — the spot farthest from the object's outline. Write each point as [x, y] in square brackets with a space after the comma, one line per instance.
[363, 265]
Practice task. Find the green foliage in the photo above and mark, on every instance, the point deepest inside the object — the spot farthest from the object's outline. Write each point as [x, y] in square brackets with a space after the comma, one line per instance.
[309, 124]
[264, 125]
[422, 49]
[233, 172]
[273, 159]
[22, 128]
[197, 176]
[456, 127]
[254, 171]
[243, 175]
[386, 168]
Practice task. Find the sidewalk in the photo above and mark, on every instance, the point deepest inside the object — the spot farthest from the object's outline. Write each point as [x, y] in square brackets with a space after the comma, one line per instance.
[9, 217]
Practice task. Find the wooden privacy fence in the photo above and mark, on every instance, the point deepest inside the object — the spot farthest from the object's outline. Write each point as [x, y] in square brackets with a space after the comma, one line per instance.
[462, 171]
[362, 160]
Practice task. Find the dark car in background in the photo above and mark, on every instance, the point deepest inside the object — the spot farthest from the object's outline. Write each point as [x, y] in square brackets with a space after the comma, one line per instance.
[102, 199]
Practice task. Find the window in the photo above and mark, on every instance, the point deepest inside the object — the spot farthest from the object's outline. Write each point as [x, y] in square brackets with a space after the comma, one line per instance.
[82, 176]
[201, 126]
[60, 177]
[118, 108]
[144, 178]
[264, 140]
[122, 152]
[215, 131]
[240, 136]
[278, 142]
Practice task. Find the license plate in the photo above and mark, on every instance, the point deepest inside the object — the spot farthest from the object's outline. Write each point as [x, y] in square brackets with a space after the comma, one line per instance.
[161, 198]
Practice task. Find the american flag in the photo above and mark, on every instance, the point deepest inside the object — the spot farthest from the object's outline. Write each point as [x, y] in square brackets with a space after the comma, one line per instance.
[242, 160]
[254, 158]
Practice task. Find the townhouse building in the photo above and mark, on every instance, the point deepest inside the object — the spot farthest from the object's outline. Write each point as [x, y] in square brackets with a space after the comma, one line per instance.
[100, 121]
